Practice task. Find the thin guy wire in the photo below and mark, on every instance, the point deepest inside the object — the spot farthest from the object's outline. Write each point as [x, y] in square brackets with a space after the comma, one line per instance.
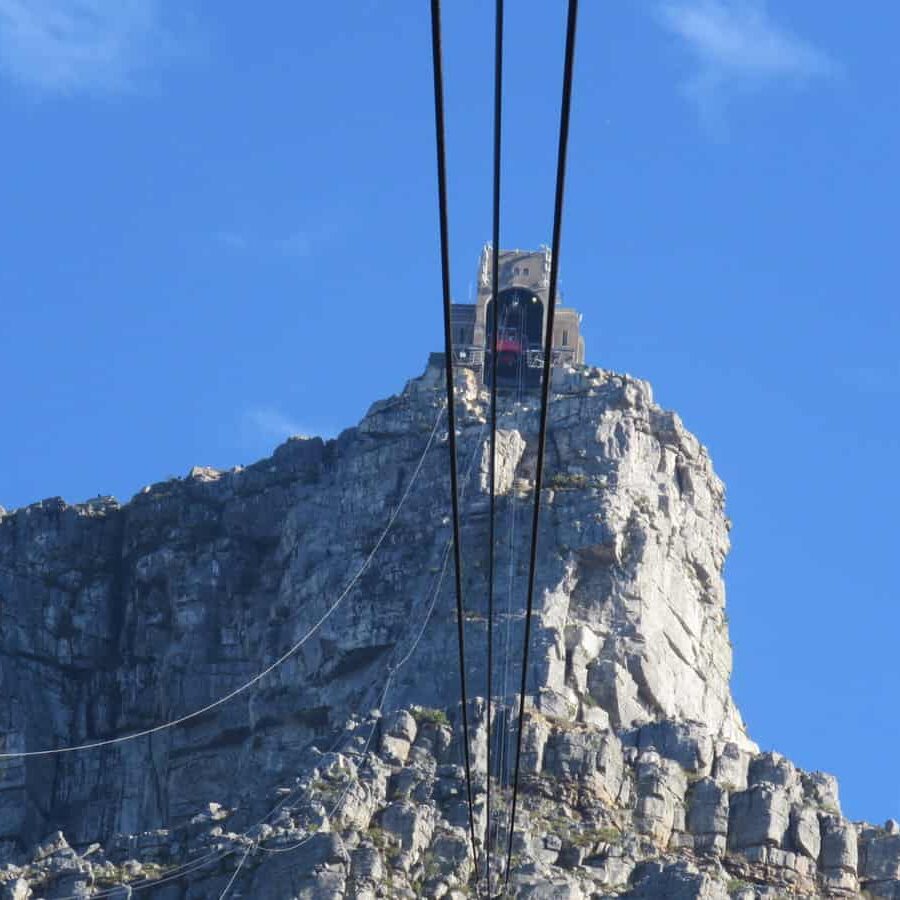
[174, 875]
[503, 762]
[212, 856]
[217, 855]
[565, 108]
[392, 670]
[503, 749]
[446, 557]
[438, 582]
[307, 838]
[278, 662]
[495, 290]
[451, 413]
[240, 866]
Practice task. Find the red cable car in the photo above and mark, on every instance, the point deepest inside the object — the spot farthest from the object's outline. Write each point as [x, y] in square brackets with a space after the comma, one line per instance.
[509, 349]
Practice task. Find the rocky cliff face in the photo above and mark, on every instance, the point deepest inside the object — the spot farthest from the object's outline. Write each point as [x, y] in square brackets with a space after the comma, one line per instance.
[339, 772]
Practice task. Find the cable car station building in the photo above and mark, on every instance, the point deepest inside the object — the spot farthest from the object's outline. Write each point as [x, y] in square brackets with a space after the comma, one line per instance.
[523, 293]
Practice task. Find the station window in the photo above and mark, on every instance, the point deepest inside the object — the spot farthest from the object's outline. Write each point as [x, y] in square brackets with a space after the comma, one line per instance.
[516, 270]
[525, 270]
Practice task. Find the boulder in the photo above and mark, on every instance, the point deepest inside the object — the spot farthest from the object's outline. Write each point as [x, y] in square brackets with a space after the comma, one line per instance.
[400, 724]
[879, 857]
[757, 817]
[681, 881]
[413, 826]
[660, 790]
[730, 766]
[707, 815]
[687, 743]
[804, 831]
[775, 770]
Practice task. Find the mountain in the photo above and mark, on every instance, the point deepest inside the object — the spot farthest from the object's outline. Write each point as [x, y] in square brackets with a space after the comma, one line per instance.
[316, 587]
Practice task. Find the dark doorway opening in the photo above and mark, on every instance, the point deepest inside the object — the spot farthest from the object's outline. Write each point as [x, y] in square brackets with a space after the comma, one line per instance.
[521, 330]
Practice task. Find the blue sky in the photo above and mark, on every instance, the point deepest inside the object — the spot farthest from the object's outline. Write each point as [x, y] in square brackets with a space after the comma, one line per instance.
[219, 228]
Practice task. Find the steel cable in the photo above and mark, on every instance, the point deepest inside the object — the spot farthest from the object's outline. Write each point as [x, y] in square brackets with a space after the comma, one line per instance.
[392, 670]
[451, 412]
[565, 108]
[270, 668]
[218, 855]
[495, 294]
[503, 742]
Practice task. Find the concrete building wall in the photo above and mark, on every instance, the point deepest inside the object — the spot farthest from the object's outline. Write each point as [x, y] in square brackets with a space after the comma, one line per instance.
[462, 321]
[528, 269]
[567, 332]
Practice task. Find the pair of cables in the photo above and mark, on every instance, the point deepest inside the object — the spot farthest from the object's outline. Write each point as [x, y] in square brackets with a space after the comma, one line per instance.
[290, 652]
[562, 151]
[250, 835]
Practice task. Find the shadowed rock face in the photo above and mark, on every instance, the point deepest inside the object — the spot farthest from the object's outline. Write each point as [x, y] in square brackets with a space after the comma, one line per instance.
[638, 773]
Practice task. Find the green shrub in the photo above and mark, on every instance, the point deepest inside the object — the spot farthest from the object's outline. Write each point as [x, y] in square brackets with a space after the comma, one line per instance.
[424, 715]
[609, 835]
[591, 836]
[562, 481]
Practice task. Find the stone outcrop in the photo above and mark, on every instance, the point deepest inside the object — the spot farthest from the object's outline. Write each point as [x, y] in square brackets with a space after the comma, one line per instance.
[340, 773]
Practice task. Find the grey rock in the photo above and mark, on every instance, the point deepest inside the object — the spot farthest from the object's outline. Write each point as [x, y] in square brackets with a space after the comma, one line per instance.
[586, 755]
[731, 765]
[56, 843]
[822, 790]
[543, 888]
[400, 724]
[536, 731]
[687, 743]
[707, 815]
[367, 864]
[805, 832]
[839, 844]
[774, 769]
[680, 881]
[637, 771]
[661, 786]
[394, 750]
[17, 889]
[879, 857]
[413, 825]
[316, 870]
[758, 817]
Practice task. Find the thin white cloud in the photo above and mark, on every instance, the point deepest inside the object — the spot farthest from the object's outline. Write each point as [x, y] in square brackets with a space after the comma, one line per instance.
[271, 424]
[300, 244]
[737, 46]
[233, 240]
[872, 379]
[81, 46]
